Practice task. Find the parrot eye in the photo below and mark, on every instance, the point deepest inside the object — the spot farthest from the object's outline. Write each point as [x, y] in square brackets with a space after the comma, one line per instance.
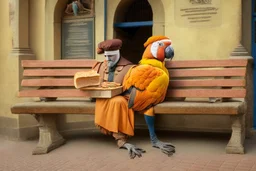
[160, 43]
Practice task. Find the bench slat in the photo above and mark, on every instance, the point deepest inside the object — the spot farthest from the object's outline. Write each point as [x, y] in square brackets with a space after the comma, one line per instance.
[207, 73]
[208, 83]
[52, 72]
[234, 93]
[48, 82]
[198, 93]
[68, 93]
[173, 83]
[207, 63]
[173, 73]
[58, 63]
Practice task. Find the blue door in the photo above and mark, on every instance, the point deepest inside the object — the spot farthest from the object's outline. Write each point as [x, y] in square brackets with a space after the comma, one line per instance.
[254, 57]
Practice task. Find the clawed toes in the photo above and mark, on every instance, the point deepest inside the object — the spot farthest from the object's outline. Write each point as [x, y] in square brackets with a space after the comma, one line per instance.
[168, 152]
[133, 150]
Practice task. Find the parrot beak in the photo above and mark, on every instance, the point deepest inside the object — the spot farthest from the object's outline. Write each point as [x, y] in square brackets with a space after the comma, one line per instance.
[169, 52]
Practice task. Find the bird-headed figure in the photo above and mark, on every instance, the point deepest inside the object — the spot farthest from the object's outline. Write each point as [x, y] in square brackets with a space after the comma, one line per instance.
[146, 84]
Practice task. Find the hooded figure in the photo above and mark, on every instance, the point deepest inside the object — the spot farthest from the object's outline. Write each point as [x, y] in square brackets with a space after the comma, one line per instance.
[113, 116]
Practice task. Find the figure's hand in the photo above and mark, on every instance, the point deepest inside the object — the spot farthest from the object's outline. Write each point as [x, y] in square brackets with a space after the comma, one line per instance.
[133, 150]
[166, 148]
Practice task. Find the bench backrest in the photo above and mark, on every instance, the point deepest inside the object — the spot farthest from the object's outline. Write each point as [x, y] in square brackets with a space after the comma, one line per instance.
[192, 79]
[52, 78]
[208, 78]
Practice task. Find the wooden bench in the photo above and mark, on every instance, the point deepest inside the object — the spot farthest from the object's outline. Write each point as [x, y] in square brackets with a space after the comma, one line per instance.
[192, 84]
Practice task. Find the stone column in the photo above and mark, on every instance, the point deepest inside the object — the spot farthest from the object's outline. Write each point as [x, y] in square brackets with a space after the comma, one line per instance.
[19, 23]
[24, 126]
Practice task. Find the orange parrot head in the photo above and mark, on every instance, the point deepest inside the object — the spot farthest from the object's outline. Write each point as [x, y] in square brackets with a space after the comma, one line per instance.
[158, 47]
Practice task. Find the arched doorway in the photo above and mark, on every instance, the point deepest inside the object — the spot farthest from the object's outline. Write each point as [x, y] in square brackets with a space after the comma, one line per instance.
[133, 23]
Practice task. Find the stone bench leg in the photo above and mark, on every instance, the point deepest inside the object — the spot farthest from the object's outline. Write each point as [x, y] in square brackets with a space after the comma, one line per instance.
[49, 137]
[235, 145]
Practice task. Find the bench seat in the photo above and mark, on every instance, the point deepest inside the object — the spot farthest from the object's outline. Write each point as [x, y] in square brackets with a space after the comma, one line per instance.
[87, 107]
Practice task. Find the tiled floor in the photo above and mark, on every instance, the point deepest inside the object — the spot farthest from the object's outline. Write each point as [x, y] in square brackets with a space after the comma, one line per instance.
[94, 151]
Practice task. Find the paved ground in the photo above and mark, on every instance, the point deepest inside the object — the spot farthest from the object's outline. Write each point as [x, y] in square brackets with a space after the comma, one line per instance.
[97, 152]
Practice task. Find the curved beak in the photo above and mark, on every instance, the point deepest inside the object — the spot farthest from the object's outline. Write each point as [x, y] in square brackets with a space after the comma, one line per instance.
[169, 52]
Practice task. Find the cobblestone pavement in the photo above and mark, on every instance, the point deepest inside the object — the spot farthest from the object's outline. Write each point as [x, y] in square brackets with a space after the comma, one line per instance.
[97, 152]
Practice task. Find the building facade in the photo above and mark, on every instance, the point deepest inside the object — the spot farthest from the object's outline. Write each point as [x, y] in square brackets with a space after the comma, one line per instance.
[51, 29]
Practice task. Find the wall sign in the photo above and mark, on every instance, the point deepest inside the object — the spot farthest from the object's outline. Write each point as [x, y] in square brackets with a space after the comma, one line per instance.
[77, 38]
[198, 13]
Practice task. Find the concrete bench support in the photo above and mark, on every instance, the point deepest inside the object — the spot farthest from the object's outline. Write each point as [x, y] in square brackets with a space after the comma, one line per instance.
[235, 145]
[49, 137]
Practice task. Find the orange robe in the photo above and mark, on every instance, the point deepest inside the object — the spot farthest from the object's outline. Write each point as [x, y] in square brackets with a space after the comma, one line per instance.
[112, 115]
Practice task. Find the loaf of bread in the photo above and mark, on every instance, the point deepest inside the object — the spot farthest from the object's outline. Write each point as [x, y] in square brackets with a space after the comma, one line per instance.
[86, 79]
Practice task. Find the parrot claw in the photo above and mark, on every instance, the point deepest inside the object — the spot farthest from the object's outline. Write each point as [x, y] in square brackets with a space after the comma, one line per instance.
[133, 150]
[166, 148]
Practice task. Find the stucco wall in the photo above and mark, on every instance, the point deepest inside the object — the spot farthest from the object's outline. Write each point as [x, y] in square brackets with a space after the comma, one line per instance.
[8, 64]
[205, 42]
[9, 77]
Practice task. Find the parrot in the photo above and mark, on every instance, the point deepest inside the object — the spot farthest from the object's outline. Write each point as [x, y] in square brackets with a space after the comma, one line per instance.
[146, 84]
